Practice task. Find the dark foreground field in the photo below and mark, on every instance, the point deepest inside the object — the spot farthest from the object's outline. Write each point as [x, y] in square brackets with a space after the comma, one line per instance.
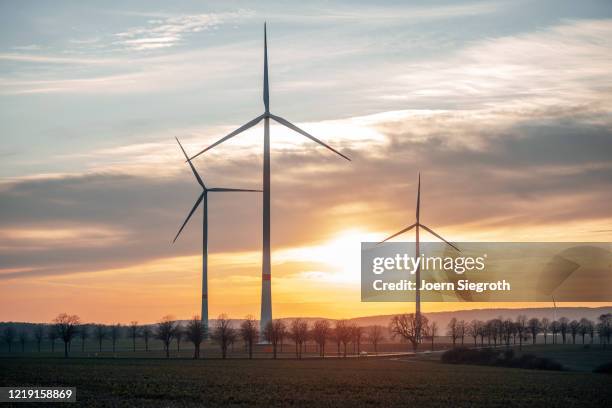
[313, 383]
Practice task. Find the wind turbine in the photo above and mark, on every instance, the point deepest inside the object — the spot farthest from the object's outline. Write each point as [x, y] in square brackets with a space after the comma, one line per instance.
[266, 273]
[417, 225]
[203, 198]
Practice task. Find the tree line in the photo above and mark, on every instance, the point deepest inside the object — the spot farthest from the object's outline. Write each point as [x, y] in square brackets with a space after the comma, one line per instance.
[501, 331]
[344, 336]
[506, 331]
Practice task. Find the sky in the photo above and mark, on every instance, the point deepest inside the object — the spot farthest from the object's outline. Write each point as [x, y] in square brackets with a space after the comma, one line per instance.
[504, 107]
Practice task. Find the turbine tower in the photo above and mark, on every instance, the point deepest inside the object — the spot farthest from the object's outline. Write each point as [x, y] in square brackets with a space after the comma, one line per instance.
[203, 198]
[418, 225]
[266, 269]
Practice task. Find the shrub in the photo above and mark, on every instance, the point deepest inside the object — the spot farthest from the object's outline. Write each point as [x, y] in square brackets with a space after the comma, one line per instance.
[462, 355]
[532, 362]
[604, 369]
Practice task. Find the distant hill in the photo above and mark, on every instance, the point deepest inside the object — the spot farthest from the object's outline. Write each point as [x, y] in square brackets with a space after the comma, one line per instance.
[442, 318]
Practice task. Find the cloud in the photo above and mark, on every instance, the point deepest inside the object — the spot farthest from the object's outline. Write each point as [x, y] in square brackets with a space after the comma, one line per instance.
[519, 148]
[563, 63]
[30, 47]
[512, 173]
[409, 14]
[170, 31]
[50, 59]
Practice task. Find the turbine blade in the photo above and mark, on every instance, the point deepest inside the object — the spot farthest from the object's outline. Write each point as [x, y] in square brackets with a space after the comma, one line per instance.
[232, 134]
[229, 190]
[399, 233]
[198, 201]
[195, 173]
[266, 90]
[433, 233]
[303, 133]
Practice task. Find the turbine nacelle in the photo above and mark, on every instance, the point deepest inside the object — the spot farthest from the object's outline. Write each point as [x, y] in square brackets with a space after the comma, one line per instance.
[426, 228]
[278, 119]
[204, 195]
[418, 223]
[267, 115]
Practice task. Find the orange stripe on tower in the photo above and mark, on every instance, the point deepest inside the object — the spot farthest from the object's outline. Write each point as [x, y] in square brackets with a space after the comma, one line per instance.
[266, 277]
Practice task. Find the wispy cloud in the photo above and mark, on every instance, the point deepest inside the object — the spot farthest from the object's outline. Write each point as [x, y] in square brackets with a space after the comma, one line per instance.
[566, 63]
[407, 14]
[56, 59]
[30, 47]
[170, 31]
[563, 63]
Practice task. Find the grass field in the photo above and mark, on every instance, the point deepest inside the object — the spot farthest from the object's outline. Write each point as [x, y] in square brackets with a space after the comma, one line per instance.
[370, 381]
[124, 348]
[572, 357]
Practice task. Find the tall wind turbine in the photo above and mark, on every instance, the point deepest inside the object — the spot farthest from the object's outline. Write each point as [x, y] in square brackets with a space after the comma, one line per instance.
[266, 269]
[203, 198]
[418, 225]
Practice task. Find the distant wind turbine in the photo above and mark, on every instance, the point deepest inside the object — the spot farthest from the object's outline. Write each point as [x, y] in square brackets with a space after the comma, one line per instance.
[418, 225]
[203, 198]
[266, 273]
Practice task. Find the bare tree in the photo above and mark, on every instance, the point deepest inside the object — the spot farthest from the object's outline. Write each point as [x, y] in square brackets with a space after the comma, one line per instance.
[178, 335]
[320, 334]
[407, 327]
[461, 328]
[545, 326]
[592, 331]
[52, 335]
[115, 334]
[195, 332]
[249, 333]
[356, 337]
[66, 326]
[604, 328]
[585, 327]
[432, 332]
[473, 329]
[521, 328]
[495, 329]
[9, 336]
[146, 334]
[375, 336]
[563, 327]
[298, 332]
[554, 329]
[453, 330]
[23, 337]
[336, 337]
[342, 332]
[83, 334]
[165, 331]
[574, 327]
[224, 333]
[483, 332]
[507, 330]
[282, 334]
[39, 335]
[134, 333]
[534, 327]
[274, 333]
[100, 334]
